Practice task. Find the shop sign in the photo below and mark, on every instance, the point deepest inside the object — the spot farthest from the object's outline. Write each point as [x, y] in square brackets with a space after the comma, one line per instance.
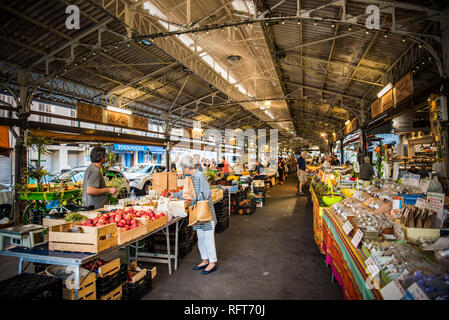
[387, 100]
[117, 118]
[88, 112]
[375, 108]
[403, 88]
[127, 147]
[93, 113]
[139, 123]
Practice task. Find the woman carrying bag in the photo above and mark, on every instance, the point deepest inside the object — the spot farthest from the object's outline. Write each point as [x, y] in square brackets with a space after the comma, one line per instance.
[205, 231]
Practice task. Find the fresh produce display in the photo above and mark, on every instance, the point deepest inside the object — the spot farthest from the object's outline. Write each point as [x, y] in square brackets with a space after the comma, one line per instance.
[319, 186]
[75, 217]
[235, 178]
[151, 204]
[166, 193]
[124, 219]
[115, 182]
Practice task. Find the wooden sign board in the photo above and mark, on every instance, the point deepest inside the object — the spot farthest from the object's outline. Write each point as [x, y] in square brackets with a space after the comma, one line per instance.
[88, 112]
[139, 123]
[403, 87]
[117, 118]
[375, 108]
[354, 124]
[387, 100]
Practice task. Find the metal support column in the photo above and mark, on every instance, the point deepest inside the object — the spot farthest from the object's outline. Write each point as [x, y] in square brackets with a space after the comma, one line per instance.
[20, 153]
[342, 152]
[444, 25]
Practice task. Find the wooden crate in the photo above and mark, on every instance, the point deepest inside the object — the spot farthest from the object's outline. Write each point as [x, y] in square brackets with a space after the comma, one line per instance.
[153, 225]
[153, 272]
[125, 236]
[115, 294]
[91, 239]
[109, 268]
[87, 290]
[138, 276]
[52, 222]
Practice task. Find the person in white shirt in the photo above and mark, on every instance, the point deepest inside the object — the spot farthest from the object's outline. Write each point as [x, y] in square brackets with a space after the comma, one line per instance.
[327, 163]
[238, 169]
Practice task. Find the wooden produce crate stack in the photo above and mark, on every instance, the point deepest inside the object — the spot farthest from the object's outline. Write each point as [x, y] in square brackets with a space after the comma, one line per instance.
[109, 281]
[87, 290]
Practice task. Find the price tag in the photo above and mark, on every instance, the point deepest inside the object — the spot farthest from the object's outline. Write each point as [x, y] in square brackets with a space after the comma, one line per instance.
[357, 238]
[417, 292]
[372, 266]
[399, 232]
[347, 227]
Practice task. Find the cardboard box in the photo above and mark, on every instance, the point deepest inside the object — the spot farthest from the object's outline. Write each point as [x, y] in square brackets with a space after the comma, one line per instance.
[164, 181]
[412, 235]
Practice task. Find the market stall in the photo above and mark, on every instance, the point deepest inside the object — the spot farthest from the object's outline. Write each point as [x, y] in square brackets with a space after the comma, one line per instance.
[381, 241]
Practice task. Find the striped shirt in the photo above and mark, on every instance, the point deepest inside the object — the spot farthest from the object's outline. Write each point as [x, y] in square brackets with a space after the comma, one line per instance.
[202, 191]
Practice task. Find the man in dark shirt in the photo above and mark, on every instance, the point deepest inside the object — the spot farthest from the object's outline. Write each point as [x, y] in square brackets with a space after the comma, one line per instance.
[95, 192]
[173, 165]
[366, 170]
[301, 171]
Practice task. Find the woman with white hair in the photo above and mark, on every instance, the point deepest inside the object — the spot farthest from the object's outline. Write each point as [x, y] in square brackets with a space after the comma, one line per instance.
[205, 231]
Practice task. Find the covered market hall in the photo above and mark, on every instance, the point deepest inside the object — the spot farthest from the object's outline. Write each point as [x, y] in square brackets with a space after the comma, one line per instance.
[224, 150]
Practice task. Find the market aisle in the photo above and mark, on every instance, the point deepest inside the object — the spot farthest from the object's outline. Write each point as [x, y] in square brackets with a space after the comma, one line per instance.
[268, 255]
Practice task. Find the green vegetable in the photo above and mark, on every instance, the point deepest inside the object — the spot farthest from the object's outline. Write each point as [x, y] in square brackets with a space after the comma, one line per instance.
[115, 182]
[211, 175]
[75, 217]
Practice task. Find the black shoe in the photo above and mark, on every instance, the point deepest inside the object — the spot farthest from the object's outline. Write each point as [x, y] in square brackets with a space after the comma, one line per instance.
[200, 268]
[209, 271]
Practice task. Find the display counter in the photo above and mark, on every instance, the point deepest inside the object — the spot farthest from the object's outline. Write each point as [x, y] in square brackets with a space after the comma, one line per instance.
[373, 251]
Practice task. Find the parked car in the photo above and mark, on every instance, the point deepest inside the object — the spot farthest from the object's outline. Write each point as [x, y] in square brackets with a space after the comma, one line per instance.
[77, 175]
[140, 176]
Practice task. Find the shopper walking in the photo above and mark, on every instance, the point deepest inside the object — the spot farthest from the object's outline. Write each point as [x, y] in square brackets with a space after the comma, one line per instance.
[95, 192]
[281, 171]
[225, 168]
[173, 165]
[205, 231]
[301, 171]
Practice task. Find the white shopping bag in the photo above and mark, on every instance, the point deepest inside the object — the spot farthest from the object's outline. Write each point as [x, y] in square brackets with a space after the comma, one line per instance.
[163, 205]
[177, 208]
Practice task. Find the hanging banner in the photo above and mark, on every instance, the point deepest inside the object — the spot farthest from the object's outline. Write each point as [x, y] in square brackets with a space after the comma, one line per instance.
[88, 112]
[403, 88]
[387, 100]
[375, 108]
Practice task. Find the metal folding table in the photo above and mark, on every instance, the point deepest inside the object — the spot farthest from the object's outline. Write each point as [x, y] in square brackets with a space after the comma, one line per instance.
[42, 254]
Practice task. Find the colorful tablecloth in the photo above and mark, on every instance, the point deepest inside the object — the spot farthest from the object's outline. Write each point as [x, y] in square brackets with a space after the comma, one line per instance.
[346, 261]
[317, 222]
